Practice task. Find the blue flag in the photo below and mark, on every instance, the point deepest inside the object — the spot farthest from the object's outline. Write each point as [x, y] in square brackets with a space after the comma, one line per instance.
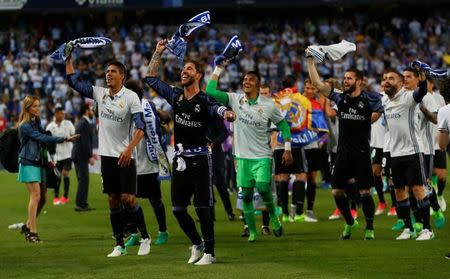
[177, 44]
[233, 48]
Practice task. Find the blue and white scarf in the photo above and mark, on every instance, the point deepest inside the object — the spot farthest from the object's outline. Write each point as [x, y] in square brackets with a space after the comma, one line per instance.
[155, 151]
[177, 44]
[64, 50]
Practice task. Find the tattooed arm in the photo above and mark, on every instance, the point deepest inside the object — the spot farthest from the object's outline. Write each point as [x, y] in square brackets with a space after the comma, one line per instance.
[153, 66]
[161, 88]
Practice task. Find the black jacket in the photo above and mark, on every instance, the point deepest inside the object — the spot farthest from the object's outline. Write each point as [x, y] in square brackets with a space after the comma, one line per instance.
[82, 148]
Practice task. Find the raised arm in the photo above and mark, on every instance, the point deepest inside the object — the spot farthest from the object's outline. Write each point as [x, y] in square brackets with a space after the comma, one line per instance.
[322, 87]
[161, 88]
[211, 87]
[155, 62]
[83, 87]
[421, 91]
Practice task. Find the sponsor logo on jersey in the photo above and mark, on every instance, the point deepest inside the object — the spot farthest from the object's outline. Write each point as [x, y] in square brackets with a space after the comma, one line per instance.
[393, 115]
[184, 119]
[352, 114]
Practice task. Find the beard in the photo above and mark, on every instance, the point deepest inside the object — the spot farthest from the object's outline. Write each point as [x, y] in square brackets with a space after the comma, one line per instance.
[188, 82]
[350, 89]
[391, 90]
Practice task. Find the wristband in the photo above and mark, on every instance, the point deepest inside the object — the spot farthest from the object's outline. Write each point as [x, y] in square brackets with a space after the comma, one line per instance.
[287, 146]
[218, 71]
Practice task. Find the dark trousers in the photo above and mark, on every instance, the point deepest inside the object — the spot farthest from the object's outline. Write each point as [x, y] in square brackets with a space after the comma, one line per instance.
[230, 171]
[82, 170]
[219, 179]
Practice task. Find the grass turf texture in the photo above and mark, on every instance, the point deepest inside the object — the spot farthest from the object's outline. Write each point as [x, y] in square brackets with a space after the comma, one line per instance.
[76, 244]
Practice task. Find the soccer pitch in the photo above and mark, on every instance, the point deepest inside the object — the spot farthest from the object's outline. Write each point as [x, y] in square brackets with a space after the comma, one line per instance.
[76, 244]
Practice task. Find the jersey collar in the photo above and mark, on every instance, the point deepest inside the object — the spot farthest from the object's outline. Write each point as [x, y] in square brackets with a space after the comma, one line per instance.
[252, 102]
[120, 93]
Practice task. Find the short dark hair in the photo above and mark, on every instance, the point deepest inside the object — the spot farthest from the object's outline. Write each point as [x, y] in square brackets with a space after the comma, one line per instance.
[444, 88]
[198, 67]
[412, 70]
[391, 70]
[358, 74]
[59, 109]
[255, 73]
[288, 81]
[84, 107]
[136, 87]
[121, 66]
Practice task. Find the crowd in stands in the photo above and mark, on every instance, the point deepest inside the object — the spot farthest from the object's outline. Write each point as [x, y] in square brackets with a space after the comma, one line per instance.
[274, 47]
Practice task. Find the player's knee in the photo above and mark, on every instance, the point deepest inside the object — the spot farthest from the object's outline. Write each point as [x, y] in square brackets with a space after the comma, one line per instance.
[301, 177]
[442, 175]
[401, 194]
[282, 177]
[128, 200]
[247, 195]
[418, 191]
[338, 193]
[114, 201]
[364, 193]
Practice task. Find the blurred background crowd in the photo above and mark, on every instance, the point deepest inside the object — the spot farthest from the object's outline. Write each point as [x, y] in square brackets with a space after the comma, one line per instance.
[274, 46]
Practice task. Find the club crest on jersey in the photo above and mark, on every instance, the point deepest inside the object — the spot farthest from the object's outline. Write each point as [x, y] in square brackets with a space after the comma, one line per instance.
[260, 111]
[197, 108]
[361, 105]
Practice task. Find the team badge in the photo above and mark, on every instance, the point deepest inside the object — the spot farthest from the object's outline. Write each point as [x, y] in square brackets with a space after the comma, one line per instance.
[361, 105]
[121, 104]
[197, 108]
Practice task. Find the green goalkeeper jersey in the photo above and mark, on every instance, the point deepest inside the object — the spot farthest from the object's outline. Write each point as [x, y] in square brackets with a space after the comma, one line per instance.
[251, 139]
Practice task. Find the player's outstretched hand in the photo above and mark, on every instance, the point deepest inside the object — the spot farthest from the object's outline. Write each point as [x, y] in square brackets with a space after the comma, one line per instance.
[221, 61]
[67, 51]
[161, 46]
[73, 137]
[229, 115]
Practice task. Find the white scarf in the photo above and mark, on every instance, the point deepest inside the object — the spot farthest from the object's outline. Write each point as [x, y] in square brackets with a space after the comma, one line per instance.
[155, 152]
[333, 52]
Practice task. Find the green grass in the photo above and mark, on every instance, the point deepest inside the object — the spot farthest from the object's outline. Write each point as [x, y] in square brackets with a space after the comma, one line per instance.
[75, 246]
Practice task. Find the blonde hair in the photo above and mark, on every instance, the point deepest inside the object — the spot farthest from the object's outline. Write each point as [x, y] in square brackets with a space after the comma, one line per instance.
[334, 83]
[25, 115]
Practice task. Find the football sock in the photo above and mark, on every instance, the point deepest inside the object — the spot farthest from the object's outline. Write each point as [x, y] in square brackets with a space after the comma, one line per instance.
[379, 188]
[207, 228]
[160, 214]
[342, 204]
[115, 215]
[311, 194]
[299, 193]
[284, 195]
[368, 207]
[403, 208]
[441, 186]
[424, 209]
